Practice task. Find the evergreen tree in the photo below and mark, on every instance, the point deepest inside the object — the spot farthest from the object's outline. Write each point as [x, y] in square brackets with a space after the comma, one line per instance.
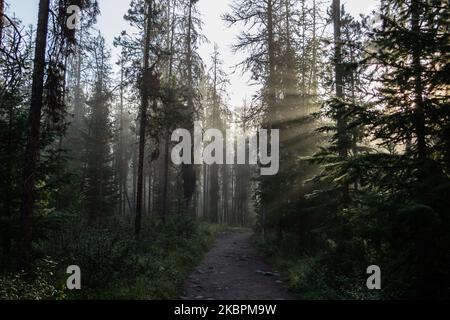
[412, 50]
[100, 189]
[15, 64]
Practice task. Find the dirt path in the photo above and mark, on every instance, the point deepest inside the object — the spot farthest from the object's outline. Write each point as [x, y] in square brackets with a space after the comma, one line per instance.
[233, 270]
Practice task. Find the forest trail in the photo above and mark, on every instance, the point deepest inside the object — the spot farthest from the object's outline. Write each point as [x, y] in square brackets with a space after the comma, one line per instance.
[233, 270]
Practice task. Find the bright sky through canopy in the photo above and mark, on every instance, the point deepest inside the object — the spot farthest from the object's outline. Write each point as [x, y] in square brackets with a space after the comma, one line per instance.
[111, 23]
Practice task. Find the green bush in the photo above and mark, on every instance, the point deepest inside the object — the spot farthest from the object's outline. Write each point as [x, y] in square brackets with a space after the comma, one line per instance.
[37, 286]
[318, 277]
[114, 265]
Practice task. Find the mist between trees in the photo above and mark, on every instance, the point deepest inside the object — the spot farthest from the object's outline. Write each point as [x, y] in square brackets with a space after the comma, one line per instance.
[250, 148]
[360, 103]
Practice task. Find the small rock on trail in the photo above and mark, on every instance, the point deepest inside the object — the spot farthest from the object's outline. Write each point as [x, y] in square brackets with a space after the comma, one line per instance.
[233, 270]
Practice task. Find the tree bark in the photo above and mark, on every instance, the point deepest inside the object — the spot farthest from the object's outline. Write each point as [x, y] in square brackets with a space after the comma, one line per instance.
[33, 136]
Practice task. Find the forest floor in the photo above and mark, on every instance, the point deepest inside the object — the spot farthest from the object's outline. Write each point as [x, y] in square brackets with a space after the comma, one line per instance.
[233, 270]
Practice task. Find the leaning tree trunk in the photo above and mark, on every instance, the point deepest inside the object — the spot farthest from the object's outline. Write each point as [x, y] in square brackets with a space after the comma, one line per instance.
[143, 122]
[2, 9]
[33, 136]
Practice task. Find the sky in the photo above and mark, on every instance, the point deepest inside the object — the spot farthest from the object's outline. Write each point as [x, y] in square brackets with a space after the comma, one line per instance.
[110, 23]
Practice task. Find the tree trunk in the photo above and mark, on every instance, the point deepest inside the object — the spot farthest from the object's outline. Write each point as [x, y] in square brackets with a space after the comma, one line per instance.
[143, 121]
[418, 86]
[150, 195]
[78, 89]
[171, 32]
[144, 189]
[188, 171]
[214, 191]
[8, 192]
[2, 9]
[33, 136]
[339, 77]
[304, 56]
[165, 177]
[121, 158]
[271, 53]
[225, 192]
[134, 166]
[233, 194]
[312, 91]
[205, 191]
[419, 119]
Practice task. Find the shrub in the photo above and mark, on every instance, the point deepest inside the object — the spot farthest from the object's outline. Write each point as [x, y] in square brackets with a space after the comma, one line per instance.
[37, 286]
